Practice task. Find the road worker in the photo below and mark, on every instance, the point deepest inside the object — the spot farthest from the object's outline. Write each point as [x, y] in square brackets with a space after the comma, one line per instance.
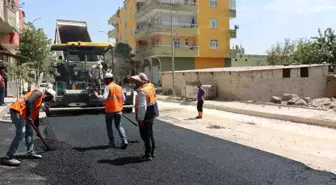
[23, 112]
[146, 112]
[114, 99]
[96, 74]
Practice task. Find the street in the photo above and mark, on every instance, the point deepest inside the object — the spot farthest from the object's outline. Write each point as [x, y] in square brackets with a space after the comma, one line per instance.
[79, 156]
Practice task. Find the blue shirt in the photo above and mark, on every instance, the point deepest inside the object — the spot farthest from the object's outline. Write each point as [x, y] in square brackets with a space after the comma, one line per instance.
[200, 94]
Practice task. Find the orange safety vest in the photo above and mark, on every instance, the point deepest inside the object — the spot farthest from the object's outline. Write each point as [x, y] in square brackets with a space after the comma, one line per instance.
[152, 108]
[114, 103]
[20, 105]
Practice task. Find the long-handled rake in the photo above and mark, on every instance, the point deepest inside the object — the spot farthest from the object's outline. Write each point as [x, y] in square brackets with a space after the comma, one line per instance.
[38, 133]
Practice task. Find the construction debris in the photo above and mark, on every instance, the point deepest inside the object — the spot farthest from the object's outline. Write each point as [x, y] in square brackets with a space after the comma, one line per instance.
[293, 99]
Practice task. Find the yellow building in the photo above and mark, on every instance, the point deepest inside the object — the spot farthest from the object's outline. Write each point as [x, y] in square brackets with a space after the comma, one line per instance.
[201, 33]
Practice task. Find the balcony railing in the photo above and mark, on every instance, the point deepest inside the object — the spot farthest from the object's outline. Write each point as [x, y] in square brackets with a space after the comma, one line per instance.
[164, 27]
[166, 50]
[163, 5]
[233, 34]
[113, 20]
[112, 33]
[9, 16]
[233, 9]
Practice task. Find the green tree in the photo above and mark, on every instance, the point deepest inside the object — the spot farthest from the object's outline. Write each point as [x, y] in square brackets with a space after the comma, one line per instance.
[281, 54]
[306, 52]
[123, 60]
[318, 49]
[325, 44]
[35, 45]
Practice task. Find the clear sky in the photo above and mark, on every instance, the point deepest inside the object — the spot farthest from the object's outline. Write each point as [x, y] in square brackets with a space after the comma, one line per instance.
[262, 22]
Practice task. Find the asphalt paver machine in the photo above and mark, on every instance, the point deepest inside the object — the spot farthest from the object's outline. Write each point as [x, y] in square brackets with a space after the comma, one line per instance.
[73, 85]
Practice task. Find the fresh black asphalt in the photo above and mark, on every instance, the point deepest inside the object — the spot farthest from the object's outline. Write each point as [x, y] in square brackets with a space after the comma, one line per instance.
[79, 156]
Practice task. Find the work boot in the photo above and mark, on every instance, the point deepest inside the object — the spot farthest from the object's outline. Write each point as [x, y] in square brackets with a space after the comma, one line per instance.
[124, 144]
[145, 157]
[34, 155]
[153, 154]
[12, 161]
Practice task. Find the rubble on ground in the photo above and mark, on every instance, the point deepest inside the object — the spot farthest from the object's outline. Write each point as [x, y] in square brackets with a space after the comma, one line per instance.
[295, 100]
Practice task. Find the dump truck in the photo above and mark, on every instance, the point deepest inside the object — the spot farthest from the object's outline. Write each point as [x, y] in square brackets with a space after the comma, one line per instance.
[77, 54]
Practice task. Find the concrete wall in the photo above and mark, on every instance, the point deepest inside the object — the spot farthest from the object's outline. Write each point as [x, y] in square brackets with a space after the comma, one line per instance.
[253, 84]
[249, 60]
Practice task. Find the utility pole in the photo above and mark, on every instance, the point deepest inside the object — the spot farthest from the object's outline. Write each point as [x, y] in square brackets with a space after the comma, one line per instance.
[172, 45]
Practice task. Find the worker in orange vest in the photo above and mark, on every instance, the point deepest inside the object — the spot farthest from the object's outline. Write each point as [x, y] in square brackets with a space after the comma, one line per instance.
[146, 110]
[23, 113]
[113, 99]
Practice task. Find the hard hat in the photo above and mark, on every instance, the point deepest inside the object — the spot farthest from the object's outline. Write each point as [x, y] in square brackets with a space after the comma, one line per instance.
[51, 92]
[108, 75]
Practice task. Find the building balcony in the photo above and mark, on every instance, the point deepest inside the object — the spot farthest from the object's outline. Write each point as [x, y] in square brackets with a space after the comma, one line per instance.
[166, 50]
[8, 16]
[113, 20]
[233, 13]
[233, 34]
[152, 8]
[112, 33]
[165, 28]
[10, 40]
[233, 9]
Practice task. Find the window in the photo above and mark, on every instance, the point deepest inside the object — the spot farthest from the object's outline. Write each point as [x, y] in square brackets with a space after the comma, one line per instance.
[176, 43]
[286, 73]
[213, 44]
[213, 3]
[304, 72]
[186, 42]
[213, 23]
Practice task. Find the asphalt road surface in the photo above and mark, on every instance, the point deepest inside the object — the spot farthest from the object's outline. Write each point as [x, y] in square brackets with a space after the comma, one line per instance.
[183, 157]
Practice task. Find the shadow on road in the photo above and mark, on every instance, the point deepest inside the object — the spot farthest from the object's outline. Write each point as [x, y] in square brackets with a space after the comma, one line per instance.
[121, 161]
[84, 149]
[101, 147]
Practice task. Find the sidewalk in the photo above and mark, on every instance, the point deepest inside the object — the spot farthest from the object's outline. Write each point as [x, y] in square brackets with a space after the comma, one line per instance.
[301, 115]
[5, 108]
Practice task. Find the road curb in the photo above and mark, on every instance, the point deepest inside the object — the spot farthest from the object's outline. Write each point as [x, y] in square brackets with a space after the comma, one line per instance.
[312, 121]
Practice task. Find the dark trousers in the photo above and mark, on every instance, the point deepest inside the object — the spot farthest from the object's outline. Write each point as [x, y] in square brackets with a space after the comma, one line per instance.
[146, 133]
[116, 116]
[2, 95]
[200, 106]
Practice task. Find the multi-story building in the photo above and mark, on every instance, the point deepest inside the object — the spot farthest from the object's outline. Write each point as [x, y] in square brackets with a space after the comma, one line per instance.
[200, 28]
[11, 18]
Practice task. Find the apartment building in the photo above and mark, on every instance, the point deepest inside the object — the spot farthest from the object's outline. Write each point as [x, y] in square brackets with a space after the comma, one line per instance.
[11, 19]
[201, 33]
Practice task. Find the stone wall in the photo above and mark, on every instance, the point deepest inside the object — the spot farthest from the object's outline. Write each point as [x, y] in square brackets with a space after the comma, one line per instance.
[255, 83]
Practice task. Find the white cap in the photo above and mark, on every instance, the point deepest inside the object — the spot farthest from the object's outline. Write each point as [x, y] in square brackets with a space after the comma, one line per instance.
[51, 92]
[108, 75]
